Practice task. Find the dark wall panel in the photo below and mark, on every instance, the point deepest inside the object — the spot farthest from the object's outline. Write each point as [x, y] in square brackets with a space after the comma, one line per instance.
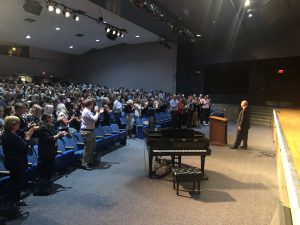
[148, 66]
[254, 80]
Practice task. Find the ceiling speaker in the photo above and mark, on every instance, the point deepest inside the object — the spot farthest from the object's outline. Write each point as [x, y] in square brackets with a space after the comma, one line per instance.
[32, 7]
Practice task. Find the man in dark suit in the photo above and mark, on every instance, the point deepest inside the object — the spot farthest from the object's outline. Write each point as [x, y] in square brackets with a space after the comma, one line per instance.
[243, 125]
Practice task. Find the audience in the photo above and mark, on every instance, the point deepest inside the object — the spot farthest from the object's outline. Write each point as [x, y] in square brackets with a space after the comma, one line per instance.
[58, 108]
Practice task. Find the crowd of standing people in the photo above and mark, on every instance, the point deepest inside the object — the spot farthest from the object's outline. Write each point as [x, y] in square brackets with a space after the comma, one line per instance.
[40, 113]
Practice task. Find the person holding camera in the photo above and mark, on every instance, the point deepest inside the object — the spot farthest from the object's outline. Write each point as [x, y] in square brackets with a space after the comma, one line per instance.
[88, 121]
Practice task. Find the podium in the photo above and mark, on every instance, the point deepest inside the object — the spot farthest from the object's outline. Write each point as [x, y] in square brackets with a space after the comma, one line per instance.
[218, 131]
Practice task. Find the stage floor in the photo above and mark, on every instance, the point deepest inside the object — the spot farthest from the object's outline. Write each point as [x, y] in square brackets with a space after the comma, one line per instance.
[290, 123]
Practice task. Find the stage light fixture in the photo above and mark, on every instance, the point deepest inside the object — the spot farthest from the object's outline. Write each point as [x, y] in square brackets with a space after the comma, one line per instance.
[111, 36]
[57, 10]
[50, 6]
[100, 19]
[118, 34]
[66, 12]
[122, 35]
[114, 32]
[76, 17]
[107, 29]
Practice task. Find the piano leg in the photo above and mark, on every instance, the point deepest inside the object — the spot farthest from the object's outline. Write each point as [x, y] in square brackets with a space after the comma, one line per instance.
[179, 160]
[173, 160]
[202, 167]
[150, 166]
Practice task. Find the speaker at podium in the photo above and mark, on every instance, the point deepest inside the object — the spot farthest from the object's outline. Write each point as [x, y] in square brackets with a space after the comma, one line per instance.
[218, 131]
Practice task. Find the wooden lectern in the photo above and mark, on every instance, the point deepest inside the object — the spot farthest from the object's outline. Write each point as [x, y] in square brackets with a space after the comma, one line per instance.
[218, 131]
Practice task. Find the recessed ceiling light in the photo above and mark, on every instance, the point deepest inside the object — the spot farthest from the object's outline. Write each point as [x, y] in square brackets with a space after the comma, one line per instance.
[137, 36]
[28, 36]
[57, 28]
[213, 21]
[250, 15]
[199, 35]
[97, 40]
[71, 46]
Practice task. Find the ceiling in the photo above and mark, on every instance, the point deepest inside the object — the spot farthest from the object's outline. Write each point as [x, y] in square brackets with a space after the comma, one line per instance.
[220, 23]
[225, 19]
[44, 35]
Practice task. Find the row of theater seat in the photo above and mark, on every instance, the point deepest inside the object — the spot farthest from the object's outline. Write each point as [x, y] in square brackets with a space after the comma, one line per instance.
[161, 120]
[69, 151]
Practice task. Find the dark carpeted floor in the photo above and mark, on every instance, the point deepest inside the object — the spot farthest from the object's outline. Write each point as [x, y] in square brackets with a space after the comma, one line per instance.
[241, 190]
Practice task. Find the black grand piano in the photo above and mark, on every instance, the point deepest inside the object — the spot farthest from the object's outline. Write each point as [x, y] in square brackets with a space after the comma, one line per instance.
[176, 143]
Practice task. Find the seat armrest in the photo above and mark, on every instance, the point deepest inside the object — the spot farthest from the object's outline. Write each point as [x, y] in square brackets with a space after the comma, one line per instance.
[69, 147]
[99, 137]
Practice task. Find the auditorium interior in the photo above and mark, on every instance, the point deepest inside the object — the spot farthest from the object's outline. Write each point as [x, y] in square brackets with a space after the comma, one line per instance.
[158, 51]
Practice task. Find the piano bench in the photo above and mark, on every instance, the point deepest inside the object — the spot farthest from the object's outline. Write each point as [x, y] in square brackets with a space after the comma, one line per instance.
[186, 174]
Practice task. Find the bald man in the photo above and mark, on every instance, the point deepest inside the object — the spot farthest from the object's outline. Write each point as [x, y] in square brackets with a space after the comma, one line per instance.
[243, 125]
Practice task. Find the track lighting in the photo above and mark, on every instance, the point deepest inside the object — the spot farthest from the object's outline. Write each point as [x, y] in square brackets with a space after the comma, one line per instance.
[75, 17]
[57, 10]
[112, 31]
[66, 12]
[50, 6]
[162, 14]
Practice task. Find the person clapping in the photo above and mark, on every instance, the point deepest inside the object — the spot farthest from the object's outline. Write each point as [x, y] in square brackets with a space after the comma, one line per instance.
[47, 151]
[15, 157]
